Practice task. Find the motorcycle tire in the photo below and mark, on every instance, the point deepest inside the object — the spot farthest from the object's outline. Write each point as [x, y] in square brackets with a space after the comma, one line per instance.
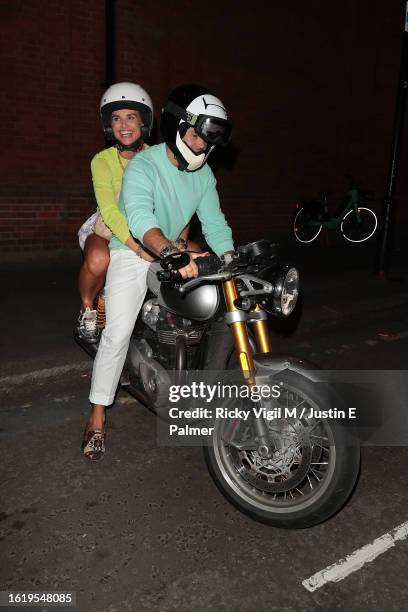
[307, 481]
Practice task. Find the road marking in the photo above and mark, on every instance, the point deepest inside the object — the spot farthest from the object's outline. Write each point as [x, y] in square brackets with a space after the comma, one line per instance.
[391, 337]
[126, 400]
[336, 313]
[61, 400]
[341, 569]
[37, 375]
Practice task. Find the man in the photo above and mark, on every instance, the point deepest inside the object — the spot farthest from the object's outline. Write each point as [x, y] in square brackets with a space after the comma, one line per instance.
[162, 189]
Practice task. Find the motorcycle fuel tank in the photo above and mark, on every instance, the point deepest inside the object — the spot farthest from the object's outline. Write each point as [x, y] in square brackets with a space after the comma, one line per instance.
[199, 304]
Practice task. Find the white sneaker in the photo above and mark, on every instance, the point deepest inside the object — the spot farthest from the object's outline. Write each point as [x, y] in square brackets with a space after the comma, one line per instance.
[87, 328]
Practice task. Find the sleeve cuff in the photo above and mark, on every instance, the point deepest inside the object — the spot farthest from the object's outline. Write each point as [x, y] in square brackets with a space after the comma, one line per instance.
[228, 245]
[142, 228]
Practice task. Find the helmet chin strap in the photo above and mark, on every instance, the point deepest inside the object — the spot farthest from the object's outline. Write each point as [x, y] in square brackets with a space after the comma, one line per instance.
[194, 160]
[134, 146]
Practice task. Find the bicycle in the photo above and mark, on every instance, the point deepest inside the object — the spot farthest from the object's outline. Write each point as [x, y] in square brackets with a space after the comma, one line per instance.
[357, 222]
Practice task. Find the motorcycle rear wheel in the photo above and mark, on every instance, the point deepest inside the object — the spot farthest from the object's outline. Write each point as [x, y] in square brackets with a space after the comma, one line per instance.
[307, 481]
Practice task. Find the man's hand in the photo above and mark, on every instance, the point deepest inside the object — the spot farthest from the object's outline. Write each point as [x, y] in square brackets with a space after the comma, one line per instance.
[190, 271]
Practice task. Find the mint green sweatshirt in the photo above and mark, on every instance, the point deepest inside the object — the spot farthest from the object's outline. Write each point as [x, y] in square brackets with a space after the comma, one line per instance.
[156, 194]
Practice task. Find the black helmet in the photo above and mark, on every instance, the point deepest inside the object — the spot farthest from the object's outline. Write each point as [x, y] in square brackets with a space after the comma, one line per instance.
[126, 95]
[193, 106]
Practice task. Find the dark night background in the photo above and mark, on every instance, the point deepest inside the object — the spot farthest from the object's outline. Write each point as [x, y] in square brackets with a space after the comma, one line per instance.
[311, 88]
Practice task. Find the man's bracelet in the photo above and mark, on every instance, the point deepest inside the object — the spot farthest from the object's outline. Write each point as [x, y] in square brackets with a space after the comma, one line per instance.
[180, 243]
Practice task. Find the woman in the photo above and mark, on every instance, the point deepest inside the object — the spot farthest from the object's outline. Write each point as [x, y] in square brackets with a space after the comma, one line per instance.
[127, 118]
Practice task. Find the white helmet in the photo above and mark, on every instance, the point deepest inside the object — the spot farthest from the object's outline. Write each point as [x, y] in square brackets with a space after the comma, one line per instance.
[127, 95]
[194, 106]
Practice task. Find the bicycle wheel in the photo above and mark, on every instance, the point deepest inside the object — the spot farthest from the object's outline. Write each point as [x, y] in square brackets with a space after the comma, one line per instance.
[355, 230]
[302, 229]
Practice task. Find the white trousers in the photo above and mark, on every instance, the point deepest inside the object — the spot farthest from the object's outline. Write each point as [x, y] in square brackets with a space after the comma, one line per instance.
[125, 290]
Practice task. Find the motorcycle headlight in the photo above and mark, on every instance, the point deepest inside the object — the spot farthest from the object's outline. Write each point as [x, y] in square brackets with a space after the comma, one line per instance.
[283, 299]
[286, 292]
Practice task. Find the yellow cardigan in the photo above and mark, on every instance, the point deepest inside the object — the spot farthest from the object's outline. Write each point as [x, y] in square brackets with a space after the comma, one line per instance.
[107, 172]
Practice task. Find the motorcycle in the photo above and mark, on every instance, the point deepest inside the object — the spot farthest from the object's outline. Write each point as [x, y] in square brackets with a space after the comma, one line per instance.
[276, 457]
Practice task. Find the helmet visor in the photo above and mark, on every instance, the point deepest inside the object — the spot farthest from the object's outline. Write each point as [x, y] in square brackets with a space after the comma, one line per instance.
[213, 130]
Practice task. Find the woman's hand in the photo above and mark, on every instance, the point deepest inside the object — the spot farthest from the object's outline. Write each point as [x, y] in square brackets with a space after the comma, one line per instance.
[144, 254]
[137, 248]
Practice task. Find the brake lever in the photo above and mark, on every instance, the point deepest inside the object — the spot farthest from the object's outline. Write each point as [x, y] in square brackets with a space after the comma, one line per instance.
[221, 276]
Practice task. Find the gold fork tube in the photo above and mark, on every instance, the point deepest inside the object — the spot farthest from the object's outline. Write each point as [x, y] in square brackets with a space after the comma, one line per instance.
[261, 334]
[240, 333]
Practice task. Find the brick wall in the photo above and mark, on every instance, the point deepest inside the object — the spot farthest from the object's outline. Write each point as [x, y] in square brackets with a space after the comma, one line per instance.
[52, 52]
[310, 87]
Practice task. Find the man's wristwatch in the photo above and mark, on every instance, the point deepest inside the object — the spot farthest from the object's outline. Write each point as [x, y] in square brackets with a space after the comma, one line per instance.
[169, 248]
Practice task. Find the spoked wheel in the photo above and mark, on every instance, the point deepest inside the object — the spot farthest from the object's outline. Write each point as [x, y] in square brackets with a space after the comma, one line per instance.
[310, 474]
[303, 230]
[356, 229]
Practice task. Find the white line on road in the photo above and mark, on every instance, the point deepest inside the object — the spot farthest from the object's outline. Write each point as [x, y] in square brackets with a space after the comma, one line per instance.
[36, 375]
[392, 337]
[341, 569]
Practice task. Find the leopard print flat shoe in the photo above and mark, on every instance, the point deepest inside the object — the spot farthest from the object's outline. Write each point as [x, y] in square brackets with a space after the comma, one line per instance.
[93, 445]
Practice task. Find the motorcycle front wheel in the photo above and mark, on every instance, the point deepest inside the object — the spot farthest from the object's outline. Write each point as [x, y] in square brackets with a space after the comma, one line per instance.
[309, 476]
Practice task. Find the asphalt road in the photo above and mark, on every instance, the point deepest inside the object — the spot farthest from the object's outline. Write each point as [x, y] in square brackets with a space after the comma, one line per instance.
[146, 529]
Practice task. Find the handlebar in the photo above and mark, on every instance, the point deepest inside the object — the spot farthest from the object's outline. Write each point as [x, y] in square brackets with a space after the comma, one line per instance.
[355, 184]
[247, 259]
[207, 265]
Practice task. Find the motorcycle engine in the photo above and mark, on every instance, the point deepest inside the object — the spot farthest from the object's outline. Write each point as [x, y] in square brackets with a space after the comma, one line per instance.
[150, 313]
[165, 328]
